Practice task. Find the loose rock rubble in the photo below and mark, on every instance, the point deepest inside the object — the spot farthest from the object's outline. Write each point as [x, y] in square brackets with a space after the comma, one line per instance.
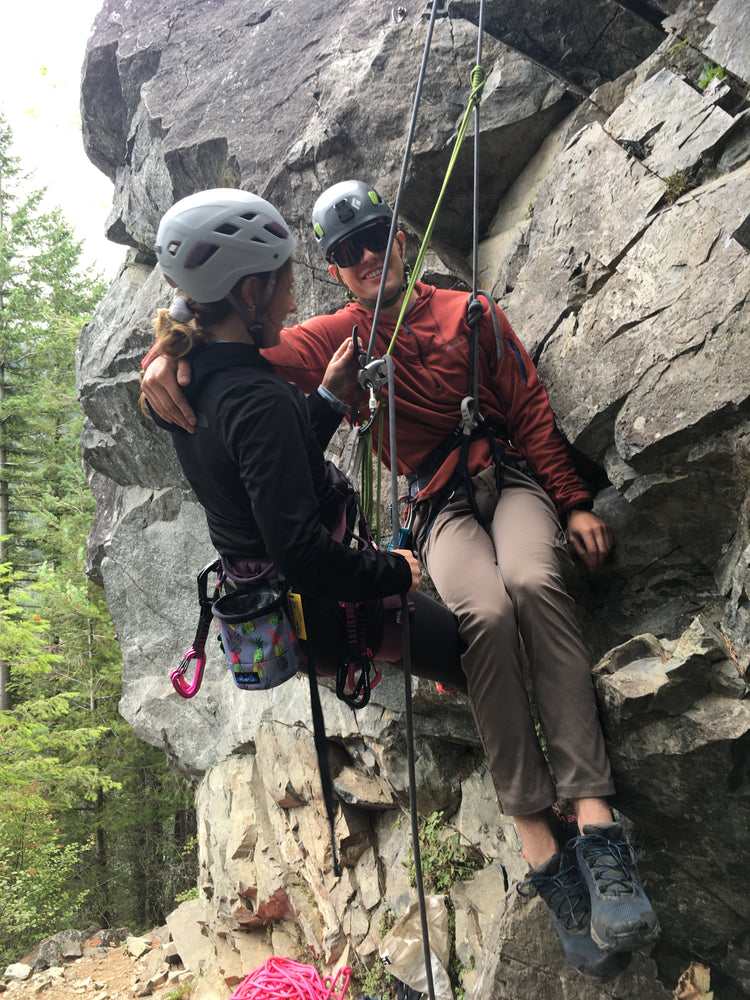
[98, 965]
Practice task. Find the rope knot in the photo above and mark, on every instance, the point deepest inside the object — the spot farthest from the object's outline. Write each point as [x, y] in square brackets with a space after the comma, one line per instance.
[474, 312]
[478, 76]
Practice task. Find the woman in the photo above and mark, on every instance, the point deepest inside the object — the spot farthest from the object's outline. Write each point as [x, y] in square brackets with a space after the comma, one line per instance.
[256, 458]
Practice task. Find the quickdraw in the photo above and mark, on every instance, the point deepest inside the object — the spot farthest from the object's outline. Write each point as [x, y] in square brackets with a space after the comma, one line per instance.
[197, 652]
[353, 681]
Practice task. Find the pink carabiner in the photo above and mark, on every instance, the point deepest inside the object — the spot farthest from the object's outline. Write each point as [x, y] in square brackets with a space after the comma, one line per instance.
[183, 689]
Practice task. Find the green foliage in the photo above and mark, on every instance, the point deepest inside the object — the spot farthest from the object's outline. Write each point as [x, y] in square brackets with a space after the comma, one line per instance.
[376, 981]
[457, 971]
[44, 300]
[38, 889]
[678, 183]
[191, 893]
[444, 859]
[181, 992]
[96, 828]
[710, 72]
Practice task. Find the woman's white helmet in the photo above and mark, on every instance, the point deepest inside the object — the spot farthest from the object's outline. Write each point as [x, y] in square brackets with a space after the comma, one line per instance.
[209, 240]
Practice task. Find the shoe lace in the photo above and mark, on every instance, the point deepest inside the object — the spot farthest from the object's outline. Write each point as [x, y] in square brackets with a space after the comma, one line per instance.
[612, 864]
[564, 893]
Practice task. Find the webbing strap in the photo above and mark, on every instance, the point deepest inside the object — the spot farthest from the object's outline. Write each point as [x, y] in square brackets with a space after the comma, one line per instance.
[321, 750]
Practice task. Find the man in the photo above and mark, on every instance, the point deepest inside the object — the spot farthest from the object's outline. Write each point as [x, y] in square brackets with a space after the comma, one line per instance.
[488, 527]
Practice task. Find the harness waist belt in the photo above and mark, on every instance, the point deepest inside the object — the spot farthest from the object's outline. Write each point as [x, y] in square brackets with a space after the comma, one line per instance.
[420, 477]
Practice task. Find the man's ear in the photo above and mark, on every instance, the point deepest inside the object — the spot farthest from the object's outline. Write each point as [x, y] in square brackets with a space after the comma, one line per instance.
[336, 274]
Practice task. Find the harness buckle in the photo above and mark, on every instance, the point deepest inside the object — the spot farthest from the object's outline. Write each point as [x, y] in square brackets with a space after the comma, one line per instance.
[469, 420]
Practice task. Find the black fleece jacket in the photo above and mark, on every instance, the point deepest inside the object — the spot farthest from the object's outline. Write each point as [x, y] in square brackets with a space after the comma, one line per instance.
[256, 464]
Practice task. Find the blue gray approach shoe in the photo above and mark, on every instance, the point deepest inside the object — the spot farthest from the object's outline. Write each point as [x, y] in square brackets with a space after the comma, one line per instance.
[622, 918]
[560, 884]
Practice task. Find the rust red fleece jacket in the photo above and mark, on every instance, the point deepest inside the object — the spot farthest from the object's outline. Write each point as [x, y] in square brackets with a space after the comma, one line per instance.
[431, 361]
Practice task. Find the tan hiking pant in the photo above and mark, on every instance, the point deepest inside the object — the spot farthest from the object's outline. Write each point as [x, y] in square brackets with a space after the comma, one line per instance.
[504, 580]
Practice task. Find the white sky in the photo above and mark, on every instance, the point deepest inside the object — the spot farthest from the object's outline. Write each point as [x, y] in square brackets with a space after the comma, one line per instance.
[41, 54]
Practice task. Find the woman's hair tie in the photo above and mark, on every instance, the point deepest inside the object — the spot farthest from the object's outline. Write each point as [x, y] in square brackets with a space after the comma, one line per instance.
[180, 311]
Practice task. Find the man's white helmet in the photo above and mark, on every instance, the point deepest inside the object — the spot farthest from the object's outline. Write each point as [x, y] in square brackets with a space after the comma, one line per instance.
[209, 240]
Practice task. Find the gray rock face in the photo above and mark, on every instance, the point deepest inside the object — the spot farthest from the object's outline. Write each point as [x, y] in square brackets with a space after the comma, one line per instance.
[615, 220]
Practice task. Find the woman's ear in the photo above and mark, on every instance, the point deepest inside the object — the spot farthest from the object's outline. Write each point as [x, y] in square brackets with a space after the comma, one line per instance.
[250, 291]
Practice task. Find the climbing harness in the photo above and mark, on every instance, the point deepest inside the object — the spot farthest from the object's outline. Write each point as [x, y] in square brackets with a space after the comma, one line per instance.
[470, 427]
[256, 612]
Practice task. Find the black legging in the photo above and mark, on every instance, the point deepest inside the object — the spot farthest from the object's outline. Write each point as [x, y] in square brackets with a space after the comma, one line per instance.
[436, 646]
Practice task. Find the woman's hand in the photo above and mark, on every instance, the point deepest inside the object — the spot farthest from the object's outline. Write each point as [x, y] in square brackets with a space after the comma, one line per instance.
[590, 537]
[161, 387]
[416, 573]
[341, 374]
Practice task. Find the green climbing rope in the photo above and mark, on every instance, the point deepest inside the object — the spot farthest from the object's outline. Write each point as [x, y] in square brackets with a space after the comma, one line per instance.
[477, 86]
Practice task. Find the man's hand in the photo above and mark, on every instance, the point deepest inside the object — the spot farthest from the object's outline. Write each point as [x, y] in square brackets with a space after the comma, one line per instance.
[413, 566]
[341, 374]
[590, 537]
[162, 389]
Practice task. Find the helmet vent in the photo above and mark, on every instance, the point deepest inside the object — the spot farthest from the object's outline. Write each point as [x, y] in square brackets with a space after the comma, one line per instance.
[227, 229]
[276, 230]
[248, 216]
[199, 254]
[173, 247]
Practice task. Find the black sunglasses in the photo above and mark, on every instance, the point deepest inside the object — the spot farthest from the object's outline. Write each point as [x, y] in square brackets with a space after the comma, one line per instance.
[350, 250]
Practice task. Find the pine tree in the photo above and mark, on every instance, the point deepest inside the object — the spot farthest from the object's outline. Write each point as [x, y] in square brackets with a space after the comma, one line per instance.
[95, 826]
[44, 300]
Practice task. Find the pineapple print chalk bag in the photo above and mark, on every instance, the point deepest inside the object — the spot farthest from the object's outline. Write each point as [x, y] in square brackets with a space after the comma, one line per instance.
[257, 636]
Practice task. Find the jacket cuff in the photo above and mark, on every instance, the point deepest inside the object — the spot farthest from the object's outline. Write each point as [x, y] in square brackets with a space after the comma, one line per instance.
[337, 404]
[578, 505]
[581, 505]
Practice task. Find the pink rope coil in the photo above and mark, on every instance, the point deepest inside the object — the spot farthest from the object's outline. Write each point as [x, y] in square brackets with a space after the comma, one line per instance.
[284, 979]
